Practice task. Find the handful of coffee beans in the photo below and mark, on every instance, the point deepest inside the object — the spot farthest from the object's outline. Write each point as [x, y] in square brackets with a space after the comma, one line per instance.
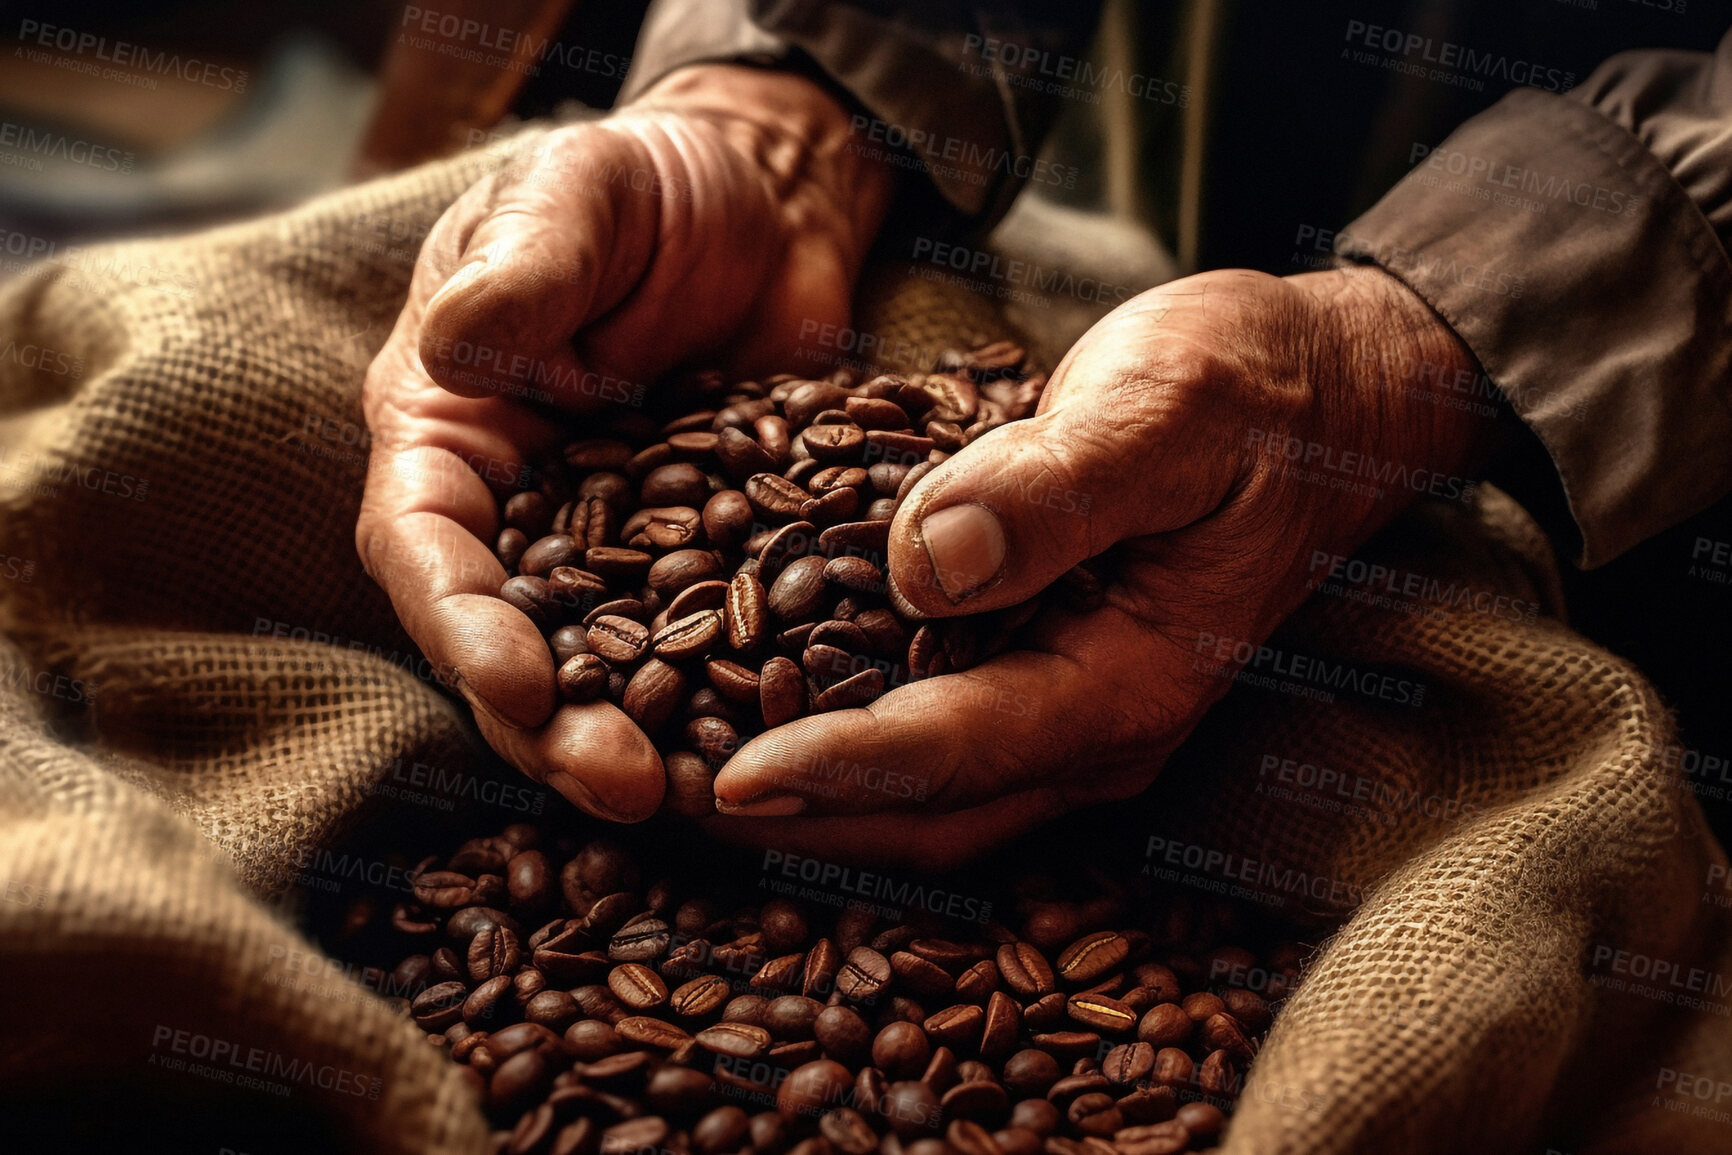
[722, 570]
[600, 1013]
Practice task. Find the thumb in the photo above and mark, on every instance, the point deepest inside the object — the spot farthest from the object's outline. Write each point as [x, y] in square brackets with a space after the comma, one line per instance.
[1013, 510]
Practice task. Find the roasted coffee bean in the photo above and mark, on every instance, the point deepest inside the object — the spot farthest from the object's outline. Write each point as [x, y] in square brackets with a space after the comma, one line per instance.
[592, 1039]
[640, 941]
[487, 1000]
[439, 1006]
[1045, 1013]
[911, 1109]
[1092, 956]
[688, 637]
[650, 1032]
[901, 1050]
[1129, 1063]
[722, 1131]
[782, 547]
[863, 975]
[812, 1089]
[1167, 1138]
[1100, 1013]
[619, 640]
[792, 1018]
[1248, 1007]
[1173, 1067]
[798, 592]
[848, 1132]
[727, 519]
[737, 1040]
[774, 497]
[1222, 1032]
[636, 986]
[746, 614]
[782, 691]
[978, 982]
[924, 978]
[583, 678]
[673, 572]
[1000, 1026]
[779, 974]
[843, 1034]
[493, 951]
[1025, 970]
[653, 694]
[1165, 1025]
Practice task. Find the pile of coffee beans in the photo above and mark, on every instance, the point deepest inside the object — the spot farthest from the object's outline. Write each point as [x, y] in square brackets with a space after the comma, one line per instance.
[722, 571]
[600, 1013]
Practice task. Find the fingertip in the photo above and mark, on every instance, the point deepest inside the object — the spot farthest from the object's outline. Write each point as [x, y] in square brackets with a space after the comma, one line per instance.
[603, 764]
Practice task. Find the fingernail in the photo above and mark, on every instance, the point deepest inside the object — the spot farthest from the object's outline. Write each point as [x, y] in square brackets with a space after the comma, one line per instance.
[458, 280]
[769, 806]
[965, 545]
[581, 796]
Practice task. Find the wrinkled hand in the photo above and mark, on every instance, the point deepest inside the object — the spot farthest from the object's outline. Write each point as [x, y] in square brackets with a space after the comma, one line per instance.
[708, 220]
[1206, 430]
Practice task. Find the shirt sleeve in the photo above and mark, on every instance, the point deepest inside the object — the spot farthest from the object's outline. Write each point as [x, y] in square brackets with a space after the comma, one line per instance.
[958, 91]
[1577, 244]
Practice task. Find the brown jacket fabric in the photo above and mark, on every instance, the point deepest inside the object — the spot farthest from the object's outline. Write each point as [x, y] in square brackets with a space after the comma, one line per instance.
[1575, 239]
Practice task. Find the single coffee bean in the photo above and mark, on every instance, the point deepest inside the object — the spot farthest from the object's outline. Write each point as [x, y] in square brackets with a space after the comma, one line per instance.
[1045, 1013]
[1129, 1063]
[1173, 1067]
[780, 974]
[1092, 956]
[736, 1040]
[783, 546]
[640, 941]
[924, 978]
[843, 1034]
[493, 951]
[1025, 970]
[863, 975]
[746, 613]
[673, 572]
[618, 639]
[1165, 1025]
[650, 1032]
[1001, 1025]
[1248, 1007]
[848, 1132]
[723, 1130]
[901, 1050]
[782, 691]
[977, 983]
[792, 1018]
[1100, 1013]
[487, 1000]
[798, 593]
[688, 637]
[773, 496]
[1167, 1138]
[653, 694]
[1217, 1076]
[583, 678]
[636, 986]
[677, 483]
[854, 573]
[556, 1010]
[812, 1089]
[727, 519]
[911, 1109]
[592, 1039]
[439, 1006]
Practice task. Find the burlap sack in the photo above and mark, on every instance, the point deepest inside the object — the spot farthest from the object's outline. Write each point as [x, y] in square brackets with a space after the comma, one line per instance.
[202, 689]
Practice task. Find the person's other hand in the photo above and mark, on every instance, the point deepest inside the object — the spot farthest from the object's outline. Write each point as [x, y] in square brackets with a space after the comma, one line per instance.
[1221, 431]
[711, 219]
